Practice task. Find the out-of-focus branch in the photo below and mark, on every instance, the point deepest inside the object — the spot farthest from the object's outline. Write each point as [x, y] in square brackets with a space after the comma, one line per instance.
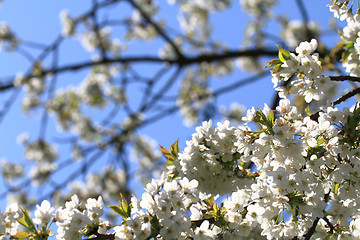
[158, 29]
[163, 90]
[209, 57]
[97, 28]
[9, 103]
[305, 17]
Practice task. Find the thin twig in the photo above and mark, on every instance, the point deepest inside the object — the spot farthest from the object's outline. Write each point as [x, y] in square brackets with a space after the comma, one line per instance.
[305, 18]
[158, 29]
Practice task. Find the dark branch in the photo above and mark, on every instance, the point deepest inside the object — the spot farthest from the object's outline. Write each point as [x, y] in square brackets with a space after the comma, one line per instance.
[344, 78]
[305, 18]
[210, 57]
[332, 229]
[311, 230]
[157, 28]
[346, 96]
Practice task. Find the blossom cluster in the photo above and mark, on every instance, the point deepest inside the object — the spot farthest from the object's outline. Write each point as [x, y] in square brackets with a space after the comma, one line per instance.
[73, 220]
[194, 16]
[295, 32]
[306, 66]
[257, 7]
[307, 168]
[350, 35]
[138, 27]
[7, 37]
[44, 157]
[212, 154]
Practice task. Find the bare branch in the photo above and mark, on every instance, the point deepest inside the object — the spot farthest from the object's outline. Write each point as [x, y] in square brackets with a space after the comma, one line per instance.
[343, 78]
[311, 230]
[209, 57]
[158, 29]
[346, 96]
[305, 17]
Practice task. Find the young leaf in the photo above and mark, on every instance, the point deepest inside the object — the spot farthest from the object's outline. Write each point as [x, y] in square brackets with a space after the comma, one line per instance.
[21, 235]
[124, 209]
[260, 116]
[336, 188]
[271, 117]
[174, 148]
[276, 69]
[125, 206]
[118, 210]
[283, 54]
[350, 45]
[26, 221]
[262, 119]
[274, 62]
[320, 141]
[345, 55]
[167, 154]
[216, 208]
[172, 155]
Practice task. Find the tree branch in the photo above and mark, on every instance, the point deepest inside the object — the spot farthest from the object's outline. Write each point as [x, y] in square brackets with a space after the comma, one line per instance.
[305, 18]
[329, 224]
[186, 61]
[343, 78]
[311, 230]
[346, 96]
[157, 28]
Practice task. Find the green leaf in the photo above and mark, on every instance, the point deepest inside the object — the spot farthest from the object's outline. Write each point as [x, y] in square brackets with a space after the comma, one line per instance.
[345, 55]
[174, 148]
[21, 235]
[22, 222]
[307, 111]
[118, 210]
[26, 221]
[271, 117]
[124, 209]
[210, 200]
[283, 54]
[216, 208]
[350, 45]
[276, 69]
[172, 155]
[320, 141]
[260, 116]
[336, 188]
[167, 154]
[274, 62]
[262, 119]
